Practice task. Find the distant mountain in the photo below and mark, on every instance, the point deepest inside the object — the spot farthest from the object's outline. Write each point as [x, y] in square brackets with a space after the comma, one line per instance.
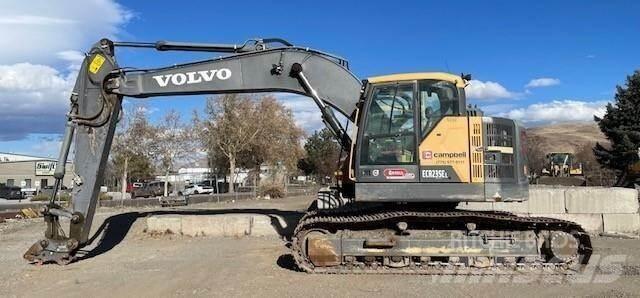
[567, 137]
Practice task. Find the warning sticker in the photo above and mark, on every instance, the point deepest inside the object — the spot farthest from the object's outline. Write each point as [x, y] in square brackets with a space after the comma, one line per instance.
[96, 63]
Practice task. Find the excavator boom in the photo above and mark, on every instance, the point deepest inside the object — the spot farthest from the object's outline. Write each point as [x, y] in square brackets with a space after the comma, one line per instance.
[101, 84]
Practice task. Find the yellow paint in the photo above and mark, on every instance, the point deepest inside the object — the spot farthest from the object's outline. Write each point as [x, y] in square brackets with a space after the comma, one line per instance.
[575, 171]
[96, 63]
[450, 135]
[456, 79]
[477, 149]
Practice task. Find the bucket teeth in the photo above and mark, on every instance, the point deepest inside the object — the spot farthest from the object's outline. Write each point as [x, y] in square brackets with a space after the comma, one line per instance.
[49, 251]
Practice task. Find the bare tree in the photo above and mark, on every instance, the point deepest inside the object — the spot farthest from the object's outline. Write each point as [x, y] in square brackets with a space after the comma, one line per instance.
[594, 172]
[278, 142]
[231, 126]
[536, 157]
[131, 142]
[173, 141]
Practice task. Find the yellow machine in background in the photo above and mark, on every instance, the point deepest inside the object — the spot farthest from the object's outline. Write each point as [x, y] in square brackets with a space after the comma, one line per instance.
[562, 169]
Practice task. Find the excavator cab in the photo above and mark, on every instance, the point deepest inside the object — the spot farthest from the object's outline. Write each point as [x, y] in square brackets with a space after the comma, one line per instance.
[415, 132]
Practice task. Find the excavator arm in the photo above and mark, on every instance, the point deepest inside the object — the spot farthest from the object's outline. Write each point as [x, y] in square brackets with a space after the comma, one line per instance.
[254, 66]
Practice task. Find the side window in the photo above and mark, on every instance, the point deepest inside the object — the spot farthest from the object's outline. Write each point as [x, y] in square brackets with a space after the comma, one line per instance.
[389, 133]
[437, 99]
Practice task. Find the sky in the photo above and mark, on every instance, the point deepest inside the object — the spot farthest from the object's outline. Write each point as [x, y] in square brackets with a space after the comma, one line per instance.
[540, 62]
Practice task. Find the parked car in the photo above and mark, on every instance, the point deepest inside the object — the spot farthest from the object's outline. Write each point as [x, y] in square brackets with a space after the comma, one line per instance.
[11, 192]
[134, 185]
[195, 189]
[157, 187]
[29, 191]
[150, 189]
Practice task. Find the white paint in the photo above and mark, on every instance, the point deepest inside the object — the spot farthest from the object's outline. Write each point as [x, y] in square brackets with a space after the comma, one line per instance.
[193, 77]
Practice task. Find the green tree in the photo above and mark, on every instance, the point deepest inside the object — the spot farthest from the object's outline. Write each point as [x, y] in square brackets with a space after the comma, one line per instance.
[322, 153]
[621, 126]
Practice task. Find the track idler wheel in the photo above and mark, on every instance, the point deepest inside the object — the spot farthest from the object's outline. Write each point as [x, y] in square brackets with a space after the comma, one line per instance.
[562, 247]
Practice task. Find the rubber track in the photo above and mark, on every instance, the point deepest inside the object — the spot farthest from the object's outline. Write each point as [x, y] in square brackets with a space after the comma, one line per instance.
[346, 217]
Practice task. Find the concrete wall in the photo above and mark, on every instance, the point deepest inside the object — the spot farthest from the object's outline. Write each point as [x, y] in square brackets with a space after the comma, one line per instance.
[597, 209]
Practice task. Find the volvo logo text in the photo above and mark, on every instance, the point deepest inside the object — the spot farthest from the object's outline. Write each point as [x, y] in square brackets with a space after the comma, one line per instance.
[193, 77]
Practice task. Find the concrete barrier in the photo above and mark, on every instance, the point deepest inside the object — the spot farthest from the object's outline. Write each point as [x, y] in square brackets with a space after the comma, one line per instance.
[164, 224]
[596, 209]
[601, 200]
[546, 200]
[116, 195]
[623, 223]
[221, 225]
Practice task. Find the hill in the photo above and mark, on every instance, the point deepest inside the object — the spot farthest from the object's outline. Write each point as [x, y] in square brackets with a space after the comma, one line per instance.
[566, 137]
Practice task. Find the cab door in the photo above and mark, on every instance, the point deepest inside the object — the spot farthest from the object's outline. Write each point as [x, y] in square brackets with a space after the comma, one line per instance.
[387, 144]
[444, 134]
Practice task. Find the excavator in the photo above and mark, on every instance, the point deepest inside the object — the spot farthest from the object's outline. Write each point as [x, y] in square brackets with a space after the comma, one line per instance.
[415, 150]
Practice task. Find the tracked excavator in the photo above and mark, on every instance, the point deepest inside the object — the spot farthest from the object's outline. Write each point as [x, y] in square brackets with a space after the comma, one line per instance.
[414, 152]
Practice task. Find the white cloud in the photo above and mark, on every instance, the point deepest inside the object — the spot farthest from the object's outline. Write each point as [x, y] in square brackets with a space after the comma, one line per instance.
[557, 111]
[41, 56]
[33, 99]
[35, 30]
[47, 146]
[33, 20]
[493, 109]
[487, 90]
[542, 82]
[30, 78]
[305, 112]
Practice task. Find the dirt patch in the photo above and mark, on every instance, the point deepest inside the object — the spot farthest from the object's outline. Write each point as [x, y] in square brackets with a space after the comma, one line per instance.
[125, 261]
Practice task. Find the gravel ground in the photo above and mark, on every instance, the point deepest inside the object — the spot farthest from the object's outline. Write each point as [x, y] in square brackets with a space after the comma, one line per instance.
[125, 261]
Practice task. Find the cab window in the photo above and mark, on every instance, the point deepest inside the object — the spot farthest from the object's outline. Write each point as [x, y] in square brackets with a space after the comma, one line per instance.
[389, 136]
[437, 99]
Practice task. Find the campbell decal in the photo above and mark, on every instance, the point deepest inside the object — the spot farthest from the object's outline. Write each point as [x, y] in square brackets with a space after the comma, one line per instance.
[397, 173]
[430, 154]
[450, 155]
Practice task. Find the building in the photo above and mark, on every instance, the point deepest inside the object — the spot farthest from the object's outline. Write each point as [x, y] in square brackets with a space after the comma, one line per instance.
[30, 172]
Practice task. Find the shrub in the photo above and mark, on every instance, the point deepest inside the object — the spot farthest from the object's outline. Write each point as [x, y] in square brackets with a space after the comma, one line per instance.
[40, 197]
[105, 197]
[271, 190]
[65, 197]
